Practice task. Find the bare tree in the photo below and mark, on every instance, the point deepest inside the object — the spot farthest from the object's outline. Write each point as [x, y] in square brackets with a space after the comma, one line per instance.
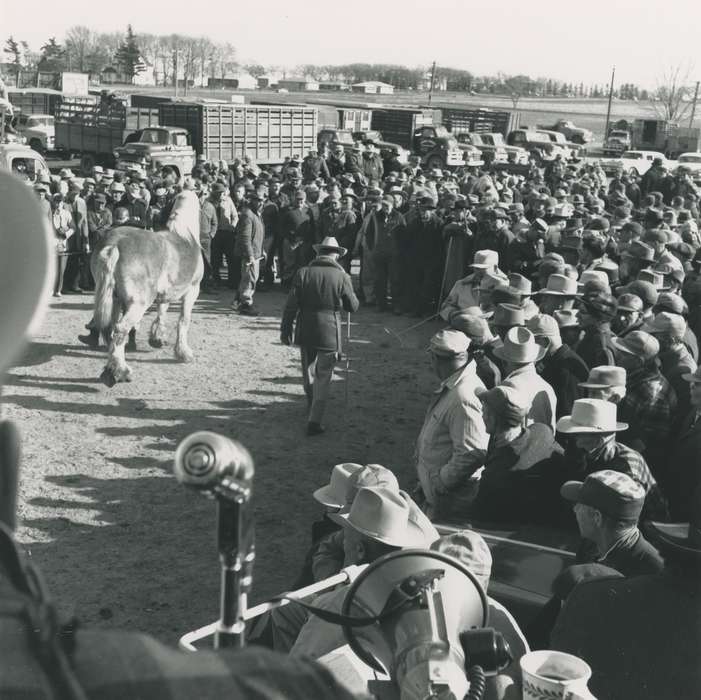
[673, 93]
[517, 86]
[80, 43]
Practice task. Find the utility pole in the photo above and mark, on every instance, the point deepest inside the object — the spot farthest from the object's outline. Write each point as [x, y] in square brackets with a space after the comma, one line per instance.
[608, 109]
[433, 76]
[693, 106]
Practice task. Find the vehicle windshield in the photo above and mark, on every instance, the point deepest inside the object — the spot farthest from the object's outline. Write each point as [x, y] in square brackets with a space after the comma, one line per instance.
[40, 121]
[465, 138]
[493, 139]
[158, 136]
[632, 155]
[180, 139]
[26, 167]
[619, 134]
[373, 135]
[690, 159]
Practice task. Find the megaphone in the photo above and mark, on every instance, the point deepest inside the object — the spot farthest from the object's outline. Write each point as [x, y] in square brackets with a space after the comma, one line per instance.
[27, 266]
[432, 615]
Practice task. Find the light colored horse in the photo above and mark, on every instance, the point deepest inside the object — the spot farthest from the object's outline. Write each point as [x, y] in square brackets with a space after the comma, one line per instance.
[135, 268]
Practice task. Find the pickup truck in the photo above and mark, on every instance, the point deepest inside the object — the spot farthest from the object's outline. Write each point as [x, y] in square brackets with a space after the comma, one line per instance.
[515, 155]
[617, 141]
[439, 149]
[37, 129]
[157, 146]
[491, 152]
[23, 161]
[575, 134]
[537, 143]
[635, 162]
[566, 148]
[384, 147]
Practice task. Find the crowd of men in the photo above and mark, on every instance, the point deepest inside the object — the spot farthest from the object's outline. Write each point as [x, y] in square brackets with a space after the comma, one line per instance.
[567, 369]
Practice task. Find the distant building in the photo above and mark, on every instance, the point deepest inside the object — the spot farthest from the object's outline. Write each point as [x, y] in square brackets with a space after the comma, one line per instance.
[333, 86]
[298, 84]
[114, 76]
[440, 83]
[236, 81]
[373, 87]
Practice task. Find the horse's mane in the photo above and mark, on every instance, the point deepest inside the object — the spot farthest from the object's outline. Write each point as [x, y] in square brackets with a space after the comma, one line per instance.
[185, 216]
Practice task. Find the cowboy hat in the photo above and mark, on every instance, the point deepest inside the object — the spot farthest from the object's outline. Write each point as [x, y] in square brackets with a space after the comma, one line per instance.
[520, 347]
[330, 245]
[333, 494]
[592, 416]
[559, 285]
[604, 377]
[385, 516]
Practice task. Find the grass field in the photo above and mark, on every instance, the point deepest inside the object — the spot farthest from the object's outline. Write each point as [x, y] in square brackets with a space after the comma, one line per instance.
[588, 113]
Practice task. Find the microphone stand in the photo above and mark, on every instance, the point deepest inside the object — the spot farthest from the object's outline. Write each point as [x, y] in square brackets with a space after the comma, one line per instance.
[235, 539]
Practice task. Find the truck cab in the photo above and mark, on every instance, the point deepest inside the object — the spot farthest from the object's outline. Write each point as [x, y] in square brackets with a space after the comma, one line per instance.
[491, 152]
[22, 161]
[439, 149]
[617, 141]
[330, 137]
[37, 129]
[562, 146]
[155, 147]
[538, 144]
[386, 148]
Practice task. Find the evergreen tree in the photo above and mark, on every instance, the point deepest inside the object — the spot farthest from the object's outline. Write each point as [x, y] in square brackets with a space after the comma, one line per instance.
[128, 55]
[53, 56]
[12, 48]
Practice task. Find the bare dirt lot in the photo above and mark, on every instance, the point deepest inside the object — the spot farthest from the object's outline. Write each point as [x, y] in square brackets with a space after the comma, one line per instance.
[120, 542]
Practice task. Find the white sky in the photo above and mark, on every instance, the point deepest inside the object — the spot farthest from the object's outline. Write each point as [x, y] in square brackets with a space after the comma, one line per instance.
[575, 40]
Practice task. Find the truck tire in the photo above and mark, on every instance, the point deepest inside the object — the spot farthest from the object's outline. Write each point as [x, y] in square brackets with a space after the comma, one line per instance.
[87, 163]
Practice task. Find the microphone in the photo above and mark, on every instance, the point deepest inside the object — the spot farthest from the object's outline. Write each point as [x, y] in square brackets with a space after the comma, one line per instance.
[207, 461]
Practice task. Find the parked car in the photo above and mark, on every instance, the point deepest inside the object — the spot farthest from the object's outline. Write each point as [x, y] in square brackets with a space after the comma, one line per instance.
[692, 162]
[637, 162]
[515, 154]
[329, 137]
[566, 148]
[38, 130]
[438, 148]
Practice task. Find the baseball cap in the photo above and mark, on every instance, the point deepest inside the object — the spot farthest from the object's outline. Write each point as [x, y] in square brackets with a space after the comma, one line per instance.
[665, 322]
[613, 493]
[630, 302]
[543, 325]
[470, 549]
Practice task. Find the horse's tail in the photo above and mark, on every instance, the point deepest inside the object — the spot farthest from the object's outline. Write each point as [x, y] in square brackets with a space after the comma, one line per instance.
[104, 286]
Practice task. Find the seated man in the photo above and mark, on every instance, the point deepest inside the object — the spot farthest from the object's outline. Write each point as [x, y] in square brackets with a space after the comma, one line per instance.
[523, 469]
[641, 635]
[378, 522]
[317, 637]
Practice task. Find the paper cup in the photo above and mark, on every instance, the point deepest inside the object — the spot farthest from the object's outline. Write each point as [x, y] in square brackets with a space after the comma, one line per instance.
[549, 675]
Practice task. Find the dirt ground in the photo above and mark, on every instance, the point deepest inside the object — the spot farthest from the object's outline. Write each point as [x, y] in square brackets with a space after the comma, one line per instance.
[120, 542]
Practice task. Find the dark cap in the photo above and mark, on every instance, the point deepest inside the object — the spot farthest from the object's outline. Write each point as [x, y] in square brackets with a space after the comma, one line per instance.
[600, 305]
[612, 493]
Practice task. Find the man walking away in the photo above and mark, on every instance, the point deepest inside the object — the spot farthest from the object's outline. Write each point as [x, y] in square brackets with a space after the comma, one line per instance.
[319, 293]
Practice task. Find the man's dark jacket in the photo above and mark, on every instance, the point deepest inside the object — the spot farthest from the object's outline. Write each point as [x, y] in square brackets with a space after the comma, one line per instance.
[320, 291]
[563, 370]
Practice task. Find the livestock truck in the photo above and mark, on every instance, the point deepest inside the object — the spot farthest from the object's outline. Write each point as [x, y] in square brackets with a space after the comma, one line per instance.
[109, 132]
[266, 133]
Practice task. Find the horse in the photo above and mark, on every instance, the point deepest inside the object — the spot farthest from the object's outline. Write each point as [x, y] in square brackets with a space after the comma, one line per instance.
[134, 268]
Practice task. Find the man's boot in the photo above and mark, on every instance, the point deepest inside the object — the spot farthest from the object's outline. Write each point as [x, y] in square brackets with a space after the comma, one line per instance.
[92, 339]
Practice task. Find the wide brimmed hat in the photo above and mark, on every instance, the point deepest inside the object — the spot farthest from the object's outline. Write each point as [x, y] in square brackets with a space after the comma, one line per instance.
[330, 245]
[508, 315]
[656, 279]
[384, 516]
[638, 343]
[333, 494]
[485, 259]
[591, 416]
[520, 347]
[559, 285]
[604, 377]
[640, 251]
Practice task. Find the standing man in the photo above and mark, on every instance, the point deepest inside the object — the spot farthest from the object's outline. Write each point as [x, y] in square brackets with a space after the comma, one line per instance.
[320, 292]
[223, 242]
[77, 273]
[452, 443]
[248, 247]
[208, 229]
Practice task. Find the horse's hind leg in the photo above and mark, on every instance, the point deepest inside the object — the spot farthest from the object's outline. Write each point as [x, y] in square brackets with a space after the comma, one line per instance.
[117, 369]
[182, 349]
[156, 337]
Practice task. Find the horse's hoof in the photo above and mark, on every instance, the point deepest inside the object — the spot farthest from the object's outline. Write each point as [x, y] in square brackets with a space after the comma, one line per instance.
[156, 342]
[131, 346]
[185, 355]
[92, 340]
[107, 378]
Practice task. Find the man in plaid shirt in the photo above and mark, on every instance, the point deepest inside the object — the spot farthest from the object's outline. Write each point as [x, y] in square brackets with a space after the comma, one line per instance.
[650, 403]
